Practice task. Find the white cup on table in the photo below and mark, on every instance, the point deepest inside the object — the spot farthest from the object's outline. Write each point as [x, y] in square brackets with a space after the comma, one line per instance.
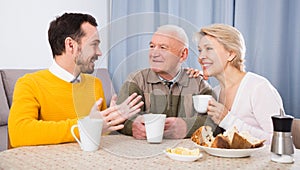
[200, 102]
[90, 131]
[154, 124]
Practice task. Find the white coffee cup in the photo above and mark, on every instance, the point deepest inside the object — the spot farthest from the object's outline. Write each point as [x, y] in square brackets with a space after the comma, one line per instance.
[154, 124]
[90, 131]
[201, 102]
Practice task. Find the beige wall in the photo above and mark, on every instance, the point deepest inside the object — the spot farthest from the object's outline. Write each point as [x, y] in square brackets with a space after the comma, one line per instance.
[24, 26]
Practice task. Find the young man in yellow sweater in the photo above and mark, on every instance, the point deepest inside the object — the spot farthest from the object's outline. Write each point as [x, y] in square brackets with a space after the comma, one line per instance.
[48, 102]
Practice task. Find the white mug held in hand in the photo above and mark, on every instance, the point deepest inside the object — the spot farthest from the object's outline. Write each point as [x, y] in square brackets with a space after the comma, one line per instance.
[201, 102]
[155, 124]
[90, 131]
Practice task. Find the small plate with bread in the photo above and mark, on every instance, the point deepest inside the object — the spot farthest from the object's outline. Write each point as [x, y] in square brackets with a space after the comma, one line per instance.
[183, 154]
[230, 144]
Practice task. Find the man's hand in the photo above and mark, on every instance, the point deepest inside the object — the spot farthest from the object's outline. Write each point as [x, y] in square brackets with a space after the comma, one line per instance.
[193, 72]
[138, 128]
[175, 128]
[129, 107]
[115, 115]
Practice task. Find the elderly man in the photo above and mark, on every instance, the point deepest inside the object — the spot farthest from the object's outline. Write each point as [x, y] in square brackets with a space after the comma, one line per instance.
[48, 102]
[166, 88]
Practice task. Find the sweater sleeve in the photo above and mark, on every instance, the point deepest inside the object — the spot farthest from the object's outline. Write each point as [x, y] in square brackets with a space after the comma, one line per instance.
[24, 125]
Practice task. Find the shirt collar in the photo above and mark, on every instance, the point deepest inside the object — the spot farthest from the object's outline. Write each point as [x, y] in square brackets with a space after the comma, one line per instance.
[61, 73]
[173, 80]
[154, 78]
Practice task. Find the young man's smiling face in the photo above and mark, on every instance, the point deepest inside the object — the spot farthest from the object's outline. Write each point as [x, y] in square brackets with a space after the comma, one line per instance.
[88, 50]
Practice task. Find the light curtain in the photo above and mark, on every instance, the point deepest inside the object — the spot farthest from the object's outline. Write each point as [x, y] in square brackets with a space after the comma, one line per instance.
[270, 28]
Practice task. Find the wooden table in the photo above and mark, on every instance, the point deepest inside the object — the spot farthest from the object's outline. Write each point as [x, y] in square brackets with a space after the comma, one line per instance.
[124, 152]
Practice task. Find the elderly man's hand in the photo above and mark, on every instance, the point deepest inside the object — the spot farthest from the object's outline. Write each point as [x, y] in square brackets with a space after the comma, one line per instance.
[193, 72]
[175, 128]
[138, 128]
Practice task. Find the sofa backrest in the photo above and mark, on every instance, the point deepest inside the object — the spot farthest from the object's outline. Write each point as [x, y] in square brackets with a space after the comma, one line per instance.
[10, 76]
[4, 108]
[103, 75]
[296, 132]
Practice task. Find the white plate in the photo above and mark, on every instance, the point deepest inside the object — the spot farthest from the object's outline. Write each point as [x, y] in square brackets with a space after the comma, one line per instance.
[177, 157]
[230, 153]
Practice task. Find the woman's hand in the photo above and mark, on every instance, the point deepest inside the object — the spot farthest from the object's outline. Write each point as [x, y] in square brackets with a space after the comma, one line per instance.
[216, 110]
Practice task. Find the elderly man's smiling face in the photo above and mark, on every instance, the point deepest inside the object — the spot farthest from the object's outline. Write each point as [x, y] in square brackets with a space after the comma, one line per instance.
[165, 54]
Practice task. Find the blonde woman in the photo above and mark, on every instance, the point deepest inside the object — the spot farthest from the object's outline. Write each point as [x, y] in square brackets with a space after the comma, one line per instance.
[244, 99]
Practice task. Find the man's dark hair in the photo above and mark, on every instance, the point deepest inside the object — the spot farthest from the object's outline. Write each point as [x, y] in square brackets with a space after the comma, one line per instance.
[67, 25]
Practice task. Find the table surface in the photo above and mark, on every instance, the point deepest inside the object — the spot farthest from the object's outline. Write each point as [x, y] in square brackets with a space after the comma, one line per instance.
[125, 152]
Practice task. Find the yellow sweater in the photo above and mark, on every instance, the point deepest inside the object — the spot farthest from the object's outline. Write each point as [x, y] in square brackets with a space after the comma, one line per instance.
[45, 107]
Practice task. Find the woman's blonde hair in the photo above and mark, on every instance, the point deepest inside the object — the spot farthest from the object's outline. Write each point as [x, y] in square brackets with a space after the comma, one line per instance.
[230, 38]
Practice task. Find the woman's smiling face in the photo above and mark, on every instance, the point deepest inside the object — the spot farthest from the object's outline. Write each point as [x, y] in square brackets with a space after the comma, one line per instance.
[212, 56]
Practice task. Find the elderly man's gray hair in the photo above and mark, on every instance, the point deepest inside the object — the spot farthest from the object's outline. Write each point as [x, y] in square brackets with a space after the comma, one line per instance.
[176, 31]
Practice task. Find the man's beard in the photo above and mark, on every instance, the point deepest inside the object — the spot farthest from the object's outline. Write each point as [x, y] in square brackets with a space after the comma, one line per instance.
[88, 70]
[84, 66]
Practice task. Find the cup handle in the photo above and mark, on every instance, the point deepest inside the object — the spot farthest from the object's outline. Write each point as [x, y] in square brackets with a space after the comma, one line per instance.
[73, 134]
